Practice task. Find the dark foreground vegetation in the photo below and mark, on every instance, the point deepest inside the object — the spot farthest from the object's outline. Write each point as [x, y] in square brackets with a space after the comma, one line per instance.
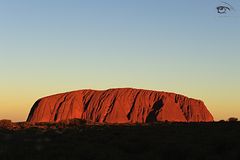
[77, 140]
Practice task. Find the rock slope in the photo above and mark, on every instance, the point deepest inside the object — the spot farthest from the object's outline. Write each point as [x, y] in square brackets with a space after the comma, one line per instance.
[122, 105]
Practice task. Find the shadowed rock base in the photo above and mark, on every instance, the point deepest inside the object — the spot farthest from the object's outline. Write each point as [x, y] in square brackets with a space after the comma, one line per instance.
[124, 105]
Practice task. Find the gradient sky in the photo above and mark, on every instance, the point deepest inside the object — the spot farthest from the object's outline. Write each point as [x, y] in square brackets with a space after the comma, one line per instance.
[47, 47]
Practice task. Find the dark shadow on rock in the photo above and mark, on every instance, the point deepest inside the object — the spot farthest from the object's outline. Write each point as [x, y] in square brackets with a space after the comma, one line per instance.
[32, 110]
[152, 116]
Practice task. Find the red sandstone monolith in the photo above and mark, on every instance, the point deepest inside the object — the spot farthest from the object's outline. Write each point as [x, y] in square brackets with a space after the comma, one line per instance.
[123, 105]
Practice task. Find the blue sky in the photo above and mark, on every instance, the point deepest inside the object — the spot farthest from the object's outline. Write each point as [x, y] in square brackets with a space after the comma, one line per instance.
[55, 46]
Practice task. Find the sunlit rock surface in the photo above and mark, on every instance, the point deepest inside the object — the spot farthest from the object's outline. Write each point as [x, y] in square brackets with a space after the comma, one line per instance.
[122, 105]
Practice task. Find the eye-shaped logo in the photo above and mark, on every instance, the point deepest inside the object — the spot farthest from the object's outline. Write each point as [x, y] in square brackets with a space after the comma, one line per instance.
[224, 8]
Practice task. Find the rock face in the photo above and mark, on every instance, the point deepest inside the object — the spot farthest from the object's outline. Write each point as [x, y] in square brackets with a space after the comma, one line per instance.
[123, 105]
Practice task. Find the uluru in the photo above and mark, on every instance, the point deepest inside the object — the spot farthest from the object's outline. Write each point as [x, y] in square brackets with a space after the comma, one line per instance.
[120, 105]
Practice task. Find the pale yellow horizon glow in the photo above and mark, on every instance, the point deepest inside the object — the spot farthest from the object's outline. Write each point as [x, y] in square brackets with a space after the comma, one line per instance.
[17, 103]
